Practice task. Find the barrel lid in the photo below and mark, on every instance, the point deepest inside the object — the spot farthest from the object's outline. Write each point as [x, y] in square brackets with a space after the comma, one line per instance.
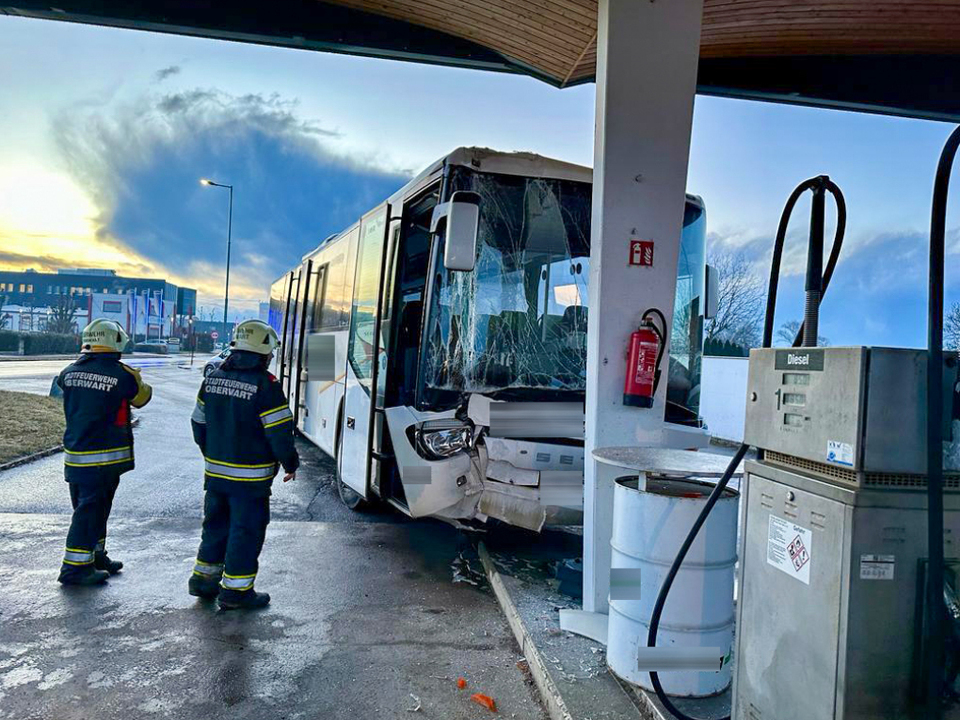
[687, 488]
[666, 461]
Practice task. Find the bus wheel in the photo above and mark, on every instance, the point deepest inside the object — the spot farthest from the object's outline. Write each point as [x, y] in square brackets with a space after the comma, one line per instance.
[350, 497]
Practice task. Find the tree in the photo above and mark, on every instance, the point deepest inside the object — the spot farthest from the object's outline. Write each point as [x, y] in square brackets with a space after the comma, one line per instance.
[4, 316]
[788, 332]
[740, 302]
[62, 314]
[951, 328]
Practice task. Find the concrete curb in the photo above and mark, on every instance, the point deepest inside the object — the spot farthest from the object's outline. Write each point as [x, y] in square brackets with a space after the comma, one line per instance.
[556, 707]
[30, 458]
[44, 453]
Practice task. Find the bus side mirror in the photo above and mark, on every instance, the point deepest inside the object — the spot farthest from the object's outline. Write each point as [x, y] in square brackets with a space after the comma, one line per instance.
[458, 220]
[711, 301]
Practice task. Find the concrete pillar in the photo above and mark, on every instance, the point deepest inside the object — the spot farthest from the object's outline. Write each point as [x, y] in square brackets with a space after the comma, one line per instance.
[647, 54]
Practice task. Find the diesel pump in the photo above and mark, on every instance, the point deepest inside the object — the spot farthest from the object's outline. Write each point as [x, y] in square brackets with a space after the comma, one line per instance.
[845, 593]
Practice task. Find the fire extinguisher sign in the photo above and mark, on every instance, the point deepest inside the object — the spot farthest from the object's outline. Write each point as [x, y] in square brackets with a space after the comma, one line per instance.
[641, 253]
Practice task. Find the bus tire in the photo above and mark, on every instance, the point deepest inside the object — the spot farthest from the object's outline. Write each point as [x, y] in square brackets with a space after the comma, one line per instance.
[351, 498]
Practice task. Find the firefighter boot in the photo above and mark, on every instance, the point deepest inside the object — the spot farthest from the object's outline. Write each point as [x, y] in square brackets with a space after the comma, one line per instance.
[88, 576]
[102, 562]
[204, 587]
[242, 599]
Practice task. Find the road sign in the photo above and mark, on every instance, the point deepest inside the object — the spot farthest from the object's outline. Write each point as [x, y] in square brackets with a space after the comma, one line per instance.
[214, 335]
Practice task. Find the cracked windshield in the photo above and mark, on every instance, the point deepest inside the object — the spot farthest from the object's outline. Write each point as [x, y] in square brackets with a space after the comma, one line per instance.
[517, 324]
[519, 320]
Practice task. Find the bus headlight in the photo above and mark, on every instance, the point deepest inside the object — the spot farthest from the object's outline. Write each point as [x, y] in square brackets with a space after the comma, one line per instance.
[438, 439]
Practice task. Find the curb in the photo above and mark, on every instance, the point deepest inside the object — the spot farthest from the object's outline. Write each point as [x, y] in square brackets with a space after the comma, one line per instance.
[556, 707]
[44, 453]
[30, 458]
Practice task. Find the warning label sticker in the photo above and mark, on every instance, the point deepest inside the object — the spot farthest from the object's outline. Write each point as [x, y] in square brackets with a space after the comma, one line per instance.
[789, 548]
[877, 567]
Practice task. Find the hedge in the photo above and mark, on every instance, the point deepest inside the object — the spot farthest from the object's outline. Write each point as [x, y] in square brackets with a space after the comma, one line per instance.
[50, 344]
[9, 341]
[39, 343]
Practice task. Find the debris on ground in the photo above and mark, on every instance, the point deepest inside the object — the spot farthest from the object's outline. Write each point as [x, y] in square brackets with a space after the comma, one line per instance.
[419, 705]
[485, 700]
[461, 683]
[467, 568]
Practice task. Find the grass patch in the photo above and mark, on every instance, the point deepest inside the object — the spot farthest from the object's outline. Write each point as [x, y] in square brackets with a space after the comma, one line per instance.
[31, 423]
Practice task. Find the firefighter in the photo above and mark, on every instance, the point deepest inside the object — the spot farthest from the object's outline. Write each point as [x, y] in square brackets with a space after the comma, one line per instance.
[244, 428]
[98, 391]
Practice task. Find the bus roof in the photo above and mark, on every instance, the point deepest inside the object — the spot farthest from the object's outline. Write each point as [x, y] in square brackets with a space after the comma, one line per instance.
[524, 164]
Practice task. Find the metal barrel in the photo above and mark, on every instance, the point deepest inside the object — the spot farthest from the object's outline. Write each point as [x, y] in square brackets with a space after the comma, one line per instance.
[648, 529]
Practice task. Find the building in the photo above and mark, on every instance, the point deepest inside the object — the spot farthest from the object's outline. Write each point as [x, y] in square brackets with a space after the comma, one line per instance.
[144, 306]
[264, 311]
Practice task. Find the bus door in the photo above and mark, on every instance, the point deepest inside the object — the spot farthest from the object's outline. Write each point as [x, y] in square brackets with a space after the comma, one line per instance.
[366, 357]
[299, 369]
[282, 359]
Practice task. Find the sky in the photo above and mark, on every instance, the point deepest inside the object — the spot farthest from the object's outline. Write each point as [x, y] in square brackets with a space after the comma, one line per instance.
[104, 135]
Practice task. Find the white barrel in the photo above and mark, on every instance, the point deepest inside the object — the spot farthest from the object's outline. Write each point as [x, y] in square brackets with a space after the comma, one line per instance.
[648, 528]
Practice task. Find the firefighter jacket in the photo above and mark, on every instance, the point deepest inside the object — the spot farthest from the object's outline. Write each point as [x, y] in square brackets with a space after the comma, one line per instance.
[98, 391]
[244, 427]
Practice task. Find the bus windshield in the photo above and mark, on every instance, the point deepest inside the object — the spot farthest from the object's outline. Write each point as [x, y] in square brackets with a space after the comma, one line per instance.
[516, 326]
[518, 321]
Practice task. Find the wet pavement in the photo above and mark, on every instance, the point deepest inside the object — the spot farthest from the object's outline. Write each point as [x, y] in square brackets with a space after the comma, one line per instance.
[365, 622]
[373, 614]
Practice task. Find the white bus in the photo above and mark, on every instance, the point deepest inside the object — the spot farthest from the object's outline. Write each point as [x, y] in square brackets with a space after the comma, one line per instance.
[392, 360]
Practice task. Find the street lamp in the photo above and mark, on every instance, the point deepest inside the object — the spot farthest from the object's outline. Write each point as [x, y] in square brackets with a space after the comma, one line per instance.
[226, 289]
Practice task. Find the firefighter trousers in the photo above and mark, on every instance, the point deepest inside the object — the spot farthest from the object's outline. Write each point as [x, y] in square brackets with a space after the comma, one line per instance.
[234, 528]
[92, 501]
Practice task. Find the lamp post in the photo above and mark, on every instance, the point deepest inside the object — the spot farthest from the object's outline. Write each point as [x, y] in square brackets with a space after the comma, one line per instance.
[193, 339]
[226, 288]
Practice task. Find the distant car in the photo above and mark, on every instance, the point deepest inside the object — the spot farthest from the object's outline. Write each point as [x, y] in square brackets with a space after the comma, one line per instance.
[215, 362]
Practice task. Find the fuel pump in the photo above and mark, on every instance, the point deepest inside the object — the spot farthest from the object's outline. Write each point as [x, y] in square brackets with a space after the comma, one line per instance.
[828, 612]
[815, 291]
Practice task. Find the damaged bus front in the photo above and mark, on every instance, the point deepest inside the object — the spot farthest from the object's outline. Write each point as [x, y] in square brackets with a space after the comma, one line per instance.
[464, 356]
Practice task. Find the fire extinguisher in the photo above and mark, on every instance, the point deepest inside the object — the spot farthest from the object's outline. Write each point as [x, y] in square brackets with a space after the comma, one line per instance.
[644, 354]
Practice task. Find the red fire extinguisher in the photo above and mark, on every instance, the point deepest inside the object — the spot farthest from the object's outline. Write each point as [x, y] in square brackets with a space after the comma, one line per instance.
[644, 354]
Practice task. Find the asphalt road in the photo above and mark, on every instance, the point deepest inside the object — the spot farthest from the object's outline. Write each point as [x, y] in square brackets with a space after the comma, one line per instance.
[168, 479]
[374, 614]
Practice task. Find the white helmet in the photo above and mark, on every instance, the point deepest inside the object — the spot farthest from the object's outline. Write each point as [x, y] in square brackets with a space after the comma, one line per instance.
[255, 336]
[104, 336]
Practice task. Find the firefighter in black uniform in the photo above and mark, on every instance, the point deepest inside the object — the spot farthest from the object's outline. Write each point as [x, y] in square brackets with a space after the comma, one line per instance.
[98, 391]
[244, 428]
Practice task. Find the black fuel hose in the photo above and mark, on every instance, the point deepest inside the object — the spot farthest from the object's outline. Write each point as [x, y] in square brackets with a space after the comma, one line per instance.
[821, 182]
[934, 633]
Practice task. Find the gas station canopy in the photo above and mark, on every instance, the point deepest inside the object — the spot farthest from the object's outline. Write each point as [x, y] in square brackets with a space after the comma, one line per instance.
[888, 56]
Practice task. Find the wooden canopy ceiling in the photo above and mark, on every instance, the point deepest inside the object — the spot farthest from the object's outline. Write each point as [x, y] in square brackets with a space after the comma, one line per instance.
[894, 56]
[558, 38]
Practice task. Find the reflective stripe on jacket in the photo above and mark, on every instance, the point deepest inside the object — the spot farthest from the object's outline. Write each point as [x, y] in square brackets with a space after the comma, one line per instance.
[98, 391]
[243, 425]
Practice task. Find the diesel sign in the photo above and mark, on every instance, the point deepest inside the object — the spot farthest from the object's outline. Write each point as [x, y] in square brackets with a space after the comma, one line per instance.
[799, 359]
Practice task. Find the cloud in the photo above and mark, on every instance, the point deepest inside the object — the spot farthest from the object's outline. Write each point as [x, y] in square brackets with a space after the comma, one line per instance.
[163, 73]
[141, 163]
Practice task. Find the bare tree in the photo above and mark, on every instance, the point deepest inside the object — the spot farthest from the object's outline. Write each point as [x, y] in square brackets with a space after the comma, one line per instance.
[951, 328]
[62, 314]
[788, 333]
[740, 302]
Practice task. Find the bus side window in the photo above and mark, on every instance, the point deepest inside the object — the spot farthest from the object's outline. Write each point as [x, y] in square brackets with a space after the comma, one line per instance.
[319, 296]
[334, 301]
